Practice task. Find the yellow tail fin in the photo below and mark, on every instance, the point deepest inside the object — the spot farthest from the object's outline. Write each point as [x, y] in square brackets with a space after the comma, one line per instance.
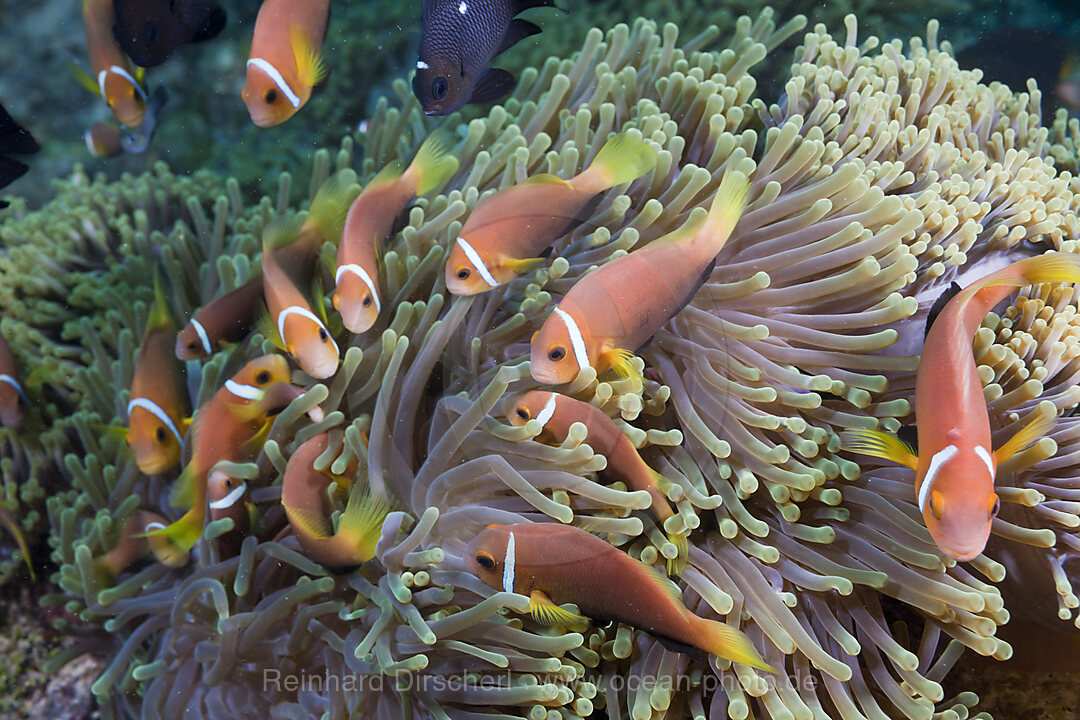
[1052, 267]
[180, 536]
[727, 207]
[725, 641]
[623, 158]
[433, 164]
[331, 205]
[160, 317]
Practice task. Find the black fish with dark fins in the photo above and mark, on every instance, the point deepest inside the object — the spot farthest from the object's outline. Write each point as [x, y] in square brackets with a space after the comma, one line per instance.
[14, 140]
[150, 31]
[458, 38]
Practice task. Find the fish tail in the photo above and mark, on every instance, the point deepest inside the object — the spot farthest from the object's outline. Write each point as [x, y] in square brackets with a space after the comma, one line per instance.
[172, 543]
[730, 643]
[624, 157]
[331, 205]
[434, 164]
[726, 209]
[159, 313]
[1052, 267]
[363, 519]
[12, 526]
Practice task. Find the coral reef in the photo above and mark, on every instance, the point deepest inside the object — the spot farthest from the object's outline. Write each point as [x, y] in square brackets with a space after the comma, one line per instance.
[877, 176]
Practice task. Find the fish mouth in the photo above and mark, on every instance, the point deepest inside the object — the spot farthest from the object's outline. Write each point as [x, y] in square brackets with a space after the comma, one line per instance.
[356, 320]
[154, 465]
[323, 369]
[963, 553]
[546, 376]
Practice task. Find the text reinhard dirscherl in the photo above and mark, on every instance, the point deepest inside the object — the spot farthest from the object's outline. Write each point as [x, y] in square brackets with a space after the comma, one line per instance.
[276, 681]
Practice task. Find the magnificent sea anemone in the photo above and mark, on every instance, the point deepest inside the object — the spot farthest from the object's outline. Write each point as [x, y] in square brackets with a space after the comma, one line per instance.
[878, 176]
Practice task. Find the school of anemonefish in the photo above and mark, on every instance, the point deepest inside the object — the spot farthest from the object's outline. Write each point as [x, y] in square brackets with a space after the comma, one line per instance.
[600, 323]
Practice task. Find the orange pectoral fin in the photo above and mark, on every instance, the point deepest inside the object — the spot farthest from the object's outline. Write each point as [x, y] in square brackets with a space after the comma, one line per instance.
[879, 444]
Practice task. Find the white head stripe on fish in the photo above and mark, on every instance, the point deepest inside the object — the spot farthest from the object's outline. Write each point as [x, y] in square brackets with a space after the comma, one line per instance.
[231, 499]
[277, 79]
[577, 341]
[88, 138]
[363, 275]
[477, 262]
[154, 409]
[304, 313]
[985, 456]
[246, 392]
[4, 378]
[203, 337]
[153, 525]
[508, 565]
[549, 409]
[941, 457]
[117, 70]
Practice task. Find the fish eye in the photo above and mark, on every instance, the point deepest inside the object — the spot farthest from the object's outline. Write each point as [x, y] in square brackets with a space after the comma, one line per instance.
[997, 507]
[485, 561]
[160, 435]
[522, 412]
[271, 96]
[322, 335]
[556, 353]
[366, 301]
[263, 377]
[227, 483]
[463, 273]
[439, 88]
[192, 345]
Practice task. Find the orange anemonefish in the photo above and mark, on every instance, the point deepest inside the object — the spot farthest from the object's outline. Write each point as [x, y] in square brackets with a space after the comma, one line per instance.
[619, 306]
[556, 413]
[295, 326]
[955, 467]
[113, 79]
[226, 318]
[285, 60]
[103, 140]
[135, 544]
[303, 495]
[370, 221]
[12, 395]
[554, 564]
[504, 234]
[232, 425]
[227, 498]
[157, 408]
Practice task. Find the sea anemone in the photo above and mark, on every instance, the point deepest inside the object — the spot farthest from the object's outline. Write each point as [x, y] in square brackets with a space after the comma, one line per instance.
[876, 176]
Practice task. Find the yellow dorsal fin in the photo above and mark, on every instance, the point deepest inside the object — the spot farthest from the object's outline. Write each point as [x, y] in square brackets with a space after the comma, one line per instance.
[331, 205]
[546, 612]
[1026, 436]
[879, 444]
[727, 207]
[544, 179]
[265, 325]
[310, 66]
[159, 312]
[84, 79]
[182, 493]
[280, 232]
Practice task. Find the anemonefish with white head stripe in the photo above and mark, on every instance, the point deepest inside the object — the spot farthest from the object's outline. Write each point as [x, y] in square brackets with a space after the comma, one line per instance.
[554, 564]
[556, 413]
[614, 310]
[506, 232]
[285, 60]
[232, 425]
[287, 259]
[157, 409]
[370, 221]
[227, 318]
[304, 497]
[955, 467]
[12, 395]
[112, 77]
[227, 498]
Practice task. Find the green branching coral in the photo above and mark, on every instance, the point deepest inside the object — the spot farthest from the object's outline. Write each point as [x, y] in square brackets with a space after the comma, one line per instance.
[877, 175]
